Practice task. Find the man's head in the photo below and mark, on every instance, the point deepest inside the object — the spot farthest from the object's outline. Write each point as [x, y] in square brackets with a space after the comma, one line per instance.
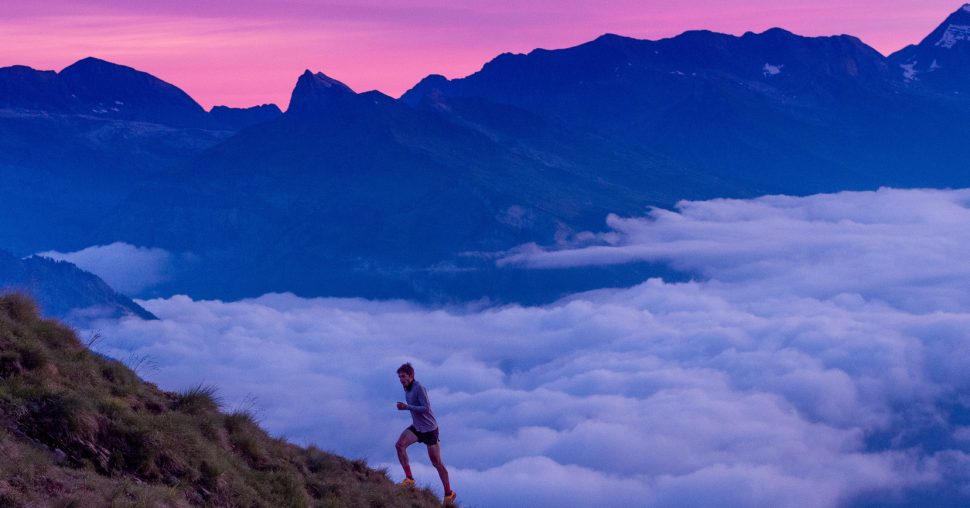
[405, 374]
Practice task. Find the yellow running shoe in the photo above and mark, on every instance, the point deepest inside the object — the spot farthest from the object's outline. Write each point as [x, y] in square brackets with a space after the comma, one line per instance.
[408, 482]
[450, 497]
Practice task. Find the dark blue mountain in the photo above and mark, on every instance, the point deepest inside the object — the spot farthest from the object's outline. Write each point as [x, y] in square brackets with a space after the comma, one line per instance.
[239, 118]
[64, 291]
[74, 143]
[102, 90]
[117, 91]
[23, 87]
[773, 110]
[820, 68]
[318, 93]
[941, 60]
[359, 194]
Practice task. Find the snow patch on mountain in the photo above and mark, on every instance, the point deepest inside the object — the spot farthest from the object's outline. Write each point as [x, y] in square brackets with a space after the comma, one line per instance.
[772, 70]
[954, 34]
[909, 71]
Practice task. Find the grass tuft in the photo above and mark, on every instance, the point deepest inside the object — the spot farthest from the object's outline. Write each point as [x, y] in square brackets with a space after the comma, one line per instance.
[197, 399]
[19, 307]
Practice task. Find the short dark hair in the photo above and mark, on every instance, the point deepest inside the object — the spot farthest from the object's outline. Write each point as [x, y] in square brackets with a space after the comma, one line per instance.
[407, 369]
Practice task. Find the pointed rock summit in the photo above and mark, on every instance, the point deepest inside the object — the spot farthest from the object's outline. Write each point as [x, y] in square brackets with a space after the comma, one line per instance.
[942, 59]
[953, 30]
[317, 92]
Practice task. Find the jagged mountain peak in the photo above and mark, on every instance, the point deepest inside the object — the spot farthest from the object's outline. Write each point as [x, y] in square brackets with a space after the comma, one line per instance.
[319, 79]
[316, 92]
[942, 58]
[954, 30]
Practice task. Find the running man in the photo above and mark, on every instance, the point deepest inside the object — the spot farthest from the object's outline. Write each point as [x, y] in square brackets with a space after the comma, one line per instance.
[423, 430]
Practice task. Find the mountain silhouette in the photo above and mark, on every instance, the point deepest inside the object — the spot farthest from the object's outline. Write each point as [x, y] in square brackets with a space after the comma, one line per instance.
[361, 191]
[239, 118]
[940, 61]
[64, 291]
[74, 143]
[361, 194]
[773, 111]
[103, 90]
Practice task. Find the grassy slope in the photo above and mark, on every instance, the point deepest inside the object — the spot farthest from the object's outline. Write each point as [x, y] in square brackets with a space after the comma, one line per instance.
[77, 429]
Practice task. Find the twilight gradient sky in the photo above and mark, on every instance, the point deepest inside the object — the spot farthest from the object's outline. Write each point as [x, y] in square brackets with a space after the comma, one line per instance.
[246, 52]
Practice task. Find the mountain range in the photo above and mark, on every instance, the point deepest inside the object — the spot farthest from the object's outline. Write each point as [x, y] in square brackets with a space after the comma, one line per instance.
[362, 194]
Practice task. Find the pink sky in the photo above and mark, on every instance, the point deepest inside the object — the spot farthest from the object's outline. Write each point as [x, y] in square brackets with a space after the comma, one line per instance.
[247, 52]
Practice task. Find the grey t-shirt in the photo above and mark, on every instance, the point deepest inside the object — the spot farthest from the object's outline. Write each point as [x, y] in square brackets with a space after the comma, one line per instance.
[420, 407]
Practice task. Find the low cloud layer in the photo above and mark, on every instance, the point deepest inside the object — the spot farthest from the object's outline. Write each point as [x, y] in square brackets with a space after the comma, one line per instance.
[126, 268]
[820, 358]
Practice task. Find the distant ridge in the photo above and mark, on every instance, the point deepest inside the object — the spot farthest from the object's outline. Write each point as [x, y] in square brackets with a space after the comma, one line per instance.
[102, 89]
[941, 60]
[240, 118]
[360, 194]
[99, 88]
[65, 291]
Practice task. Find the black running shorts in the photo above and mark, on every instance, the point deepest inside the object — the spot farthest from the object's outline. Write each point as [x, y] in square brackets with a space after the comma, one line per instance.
[428, 438]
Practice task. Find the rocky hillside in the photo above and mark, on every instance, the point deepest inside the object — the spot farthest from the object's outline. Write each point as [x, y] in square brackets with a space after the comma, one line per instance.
[78, 429]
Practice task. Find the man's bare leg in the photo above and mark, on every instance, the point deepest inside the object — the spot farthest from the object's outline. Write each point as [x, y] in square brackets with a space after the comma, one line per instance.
[434, 453]
[407, 439]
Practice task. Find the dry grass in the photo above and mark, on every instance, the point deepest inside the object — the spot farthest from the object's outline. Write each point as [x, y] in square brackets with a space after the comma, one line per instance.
[77, 429]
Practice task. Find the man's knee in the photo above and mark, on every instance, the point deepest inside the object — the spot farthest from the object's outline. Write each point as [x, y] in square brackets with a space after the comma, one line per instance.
[401, 445]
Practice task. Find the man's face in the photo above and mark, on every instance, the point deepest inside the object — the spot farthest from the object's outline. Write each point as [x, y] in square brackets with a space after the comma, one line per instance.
[405, 378]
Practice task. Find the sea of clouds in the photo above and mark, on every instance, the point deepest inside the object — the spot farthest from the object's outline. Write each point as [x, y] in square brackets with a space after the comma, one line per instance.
[820, 356]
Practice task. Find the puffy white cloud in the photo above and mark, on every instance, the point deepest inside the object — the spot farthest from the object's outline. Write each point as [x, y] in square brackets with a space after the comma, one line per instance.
[126, 268]
[899, 245]
[820, 355]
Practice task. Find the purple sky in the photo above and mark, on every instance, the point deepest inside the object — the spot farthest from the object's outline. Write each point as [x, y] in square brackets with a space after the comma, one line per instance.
[245, 52]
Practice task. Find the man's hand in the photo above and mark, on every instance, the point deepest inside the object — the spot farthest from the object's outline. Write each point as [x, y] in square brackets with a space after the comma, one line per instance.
[401, 406]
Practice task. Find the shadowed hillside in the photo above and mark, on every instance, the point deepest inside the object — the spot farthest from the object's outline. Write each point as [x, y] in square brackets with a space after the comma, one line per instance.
[64, 291]
[78, 429]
